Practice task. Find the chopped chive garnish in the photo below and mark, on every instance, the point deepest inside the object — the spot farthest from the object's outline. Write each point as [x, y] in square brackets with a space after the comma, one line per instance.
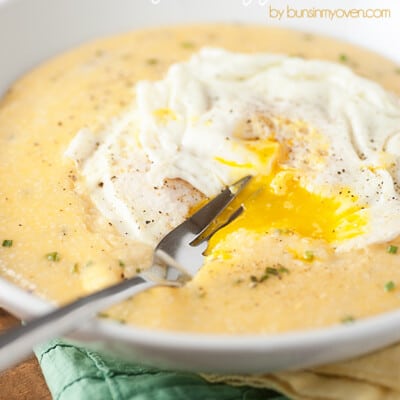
[389, 286]
[309, 255]
[271, 271]
[103, 315]
[283, 269]
[392, 249]
[7, 243]
[187, 45]
[138, 270]
[54, 256]
[343, 57]
[152, 61]
[75, 268]
[121, 263]
[348, 319]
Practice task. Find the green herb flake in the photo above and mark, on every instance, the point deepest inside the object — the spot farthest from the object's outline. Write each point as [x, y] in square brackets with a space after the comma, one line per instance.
[263, 278]
[343, 57]
[348, 319]
[121, 264]
[7, 243]
[397, 71]
[188, 45]
[283, 270]
[389, 286]
[103, 315]
[152, 61]
[392, 249]
[277, 270]
[54, 256]
[138, 270]
[309, 255]
[271, 271]
[75, 268]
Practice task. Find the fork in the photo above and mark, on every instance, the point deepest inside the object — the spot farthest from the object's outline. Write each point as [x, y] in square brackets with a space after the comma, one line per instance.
[177, 257]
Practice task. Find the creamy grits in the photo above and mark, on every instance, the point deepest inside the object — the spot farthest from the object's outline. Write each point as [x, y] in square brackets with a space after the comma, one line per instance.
[57, 242]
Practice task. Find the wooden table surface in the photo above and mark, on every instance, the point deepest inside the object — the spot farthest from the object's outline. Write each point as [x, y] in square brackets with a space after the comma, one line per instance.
[25, 381]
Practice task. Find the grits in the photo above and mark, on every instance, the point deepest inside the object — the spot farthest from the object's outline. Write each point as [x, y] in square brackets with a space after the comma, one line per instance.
[62, 247]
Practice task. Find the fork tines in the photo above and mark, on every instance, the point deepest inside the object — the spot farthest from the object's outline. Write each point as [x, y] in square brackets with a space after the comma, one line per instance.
[202, 219]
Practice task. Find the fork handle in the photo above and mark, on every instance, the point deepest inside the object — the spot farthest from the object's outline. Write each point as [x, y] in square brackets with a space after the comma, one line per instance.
[17, 343]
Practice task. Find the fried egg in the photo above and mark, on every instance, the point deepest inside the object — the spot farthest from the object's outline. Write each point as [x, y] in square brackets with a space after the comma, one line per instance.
[322, 143]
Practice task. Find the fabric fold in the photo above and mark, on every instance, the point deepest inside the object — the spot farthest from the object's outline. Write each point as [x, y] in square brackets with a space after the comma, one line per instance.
[76, 373]
[73, 372]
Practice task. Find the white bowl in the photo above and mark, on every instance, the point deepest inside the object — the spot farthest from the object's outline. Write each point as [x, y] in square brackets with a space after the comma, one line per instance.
[31, 31]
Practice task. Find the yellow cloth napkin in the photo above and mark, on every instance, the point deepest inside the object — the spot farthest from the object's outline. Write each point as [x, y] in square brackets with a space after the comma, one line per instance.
[372, 377]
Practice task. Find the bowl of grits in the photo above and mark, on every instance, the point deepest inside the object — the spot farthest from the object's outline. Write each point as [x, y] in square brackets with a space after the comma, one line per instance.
[108, 140]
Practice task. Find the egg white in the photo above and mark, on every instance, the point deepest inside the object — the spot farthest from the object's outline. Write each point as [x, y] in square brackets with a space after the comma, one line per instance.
[178, 142]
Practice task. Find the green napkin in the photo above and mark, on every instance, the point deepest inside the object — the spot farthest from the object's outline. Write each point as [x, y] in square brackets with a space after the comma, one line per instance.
[75, 373]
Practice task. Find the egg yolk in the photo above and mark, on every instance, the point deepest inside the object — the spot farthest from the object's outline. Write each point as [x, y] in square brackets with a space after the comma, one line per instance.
[276, 200]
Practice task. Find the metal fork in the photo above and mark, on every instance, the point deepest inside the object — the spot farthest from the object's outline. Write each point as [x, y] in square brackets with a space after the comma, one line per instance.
[177, 257]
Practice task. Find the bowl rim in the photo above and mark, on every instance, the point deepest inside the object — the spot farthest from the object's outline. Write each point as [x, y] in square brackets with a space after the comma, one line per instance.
[28, 305]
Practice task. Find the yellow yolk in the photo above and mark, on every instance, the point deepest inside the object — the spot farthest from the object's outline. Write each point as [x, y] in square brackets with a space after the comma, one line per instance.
[276, 200]
[233, 163]
[164, 115]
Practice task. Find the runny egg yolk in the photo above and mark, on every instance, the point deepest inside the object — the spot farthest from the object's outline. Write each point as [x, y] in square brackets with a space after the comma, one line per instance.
[275, 200]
